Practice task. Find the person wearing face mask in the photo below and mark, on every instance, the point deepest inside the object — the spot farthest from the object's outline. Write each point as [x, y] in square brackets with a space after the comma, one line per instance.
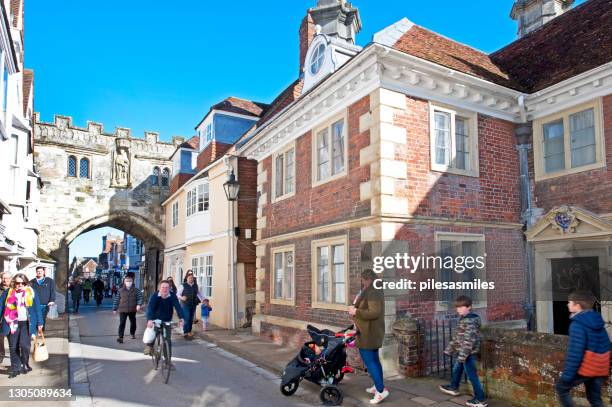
[5, 284]
[127, 302]
[45, 291]
[21, 319]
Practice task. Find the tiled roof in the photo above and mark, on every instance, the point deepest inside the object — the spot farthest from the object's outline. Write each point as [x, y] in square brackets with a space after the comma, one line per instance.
[241, 106]
[28, 80]
[575, 42]
[193, 143]
[427, 45]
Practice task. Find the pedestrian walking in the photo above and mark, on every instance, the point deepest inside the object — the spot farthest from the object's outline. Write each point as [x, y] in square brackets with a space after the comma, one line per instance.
[465, 345]
[76, 291]
[5, 284]
[588, 351]
[190, 297]
[21, 319]
[205, 310]
[87, 286]
[368, 312]
[98, 289]
[44, 287]
[172, 285]
[127, 302]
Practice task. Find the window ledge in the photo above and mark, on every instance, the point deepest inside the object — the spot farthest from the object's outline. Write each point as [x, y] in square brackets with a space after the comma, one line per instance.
[455, 171]
[283, 197]
[278, 301]
[330, 306]
[329, 179]
[562, 173]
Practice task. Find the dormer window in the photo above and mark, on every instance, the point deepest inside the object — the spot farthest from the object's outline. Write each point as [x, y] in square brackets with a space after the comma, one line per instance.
[318, 57]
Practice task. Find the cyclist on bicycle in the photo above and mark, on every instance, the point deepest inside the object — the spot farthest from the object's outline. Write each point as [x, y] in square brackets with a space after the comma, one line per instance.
[161, 306]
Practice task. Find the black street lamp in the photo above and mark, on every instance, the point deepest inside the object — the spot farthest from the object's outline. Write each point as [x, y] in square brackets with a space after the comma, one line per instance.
[232, 188]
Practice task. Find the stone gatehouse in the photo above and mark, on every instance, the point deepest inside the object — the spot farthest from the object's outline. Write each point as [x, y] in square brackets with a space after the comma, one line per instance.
[92, 179]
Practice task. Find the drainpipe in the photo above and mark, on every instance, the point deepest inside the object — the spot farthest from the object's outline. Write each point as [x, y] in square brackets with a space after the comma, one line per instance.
[523, 133]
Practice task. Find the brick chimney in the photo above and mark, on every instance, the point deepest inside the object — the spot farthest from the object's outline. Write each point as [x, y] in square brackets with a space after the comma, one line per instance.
[307, 33]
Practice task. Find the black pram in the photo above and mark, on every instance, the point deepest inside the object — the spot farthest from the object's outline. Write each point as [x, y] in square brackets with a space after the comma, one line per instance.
[325, 368]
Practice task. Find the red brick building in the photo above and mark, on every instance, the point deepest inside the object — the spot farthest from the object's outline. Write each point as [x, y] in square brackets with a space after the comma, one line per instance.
[425, 144]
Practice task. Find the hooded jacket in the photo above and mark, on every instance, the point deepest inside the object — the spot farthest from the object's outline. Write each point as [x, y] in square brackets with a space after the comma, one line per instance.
[467, 337]
[588, 351]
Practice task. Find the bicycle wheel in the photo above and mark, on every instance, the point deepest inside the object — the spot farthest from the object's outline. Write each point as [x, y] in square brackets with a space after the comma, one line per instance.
[166, 361]
[156, 351]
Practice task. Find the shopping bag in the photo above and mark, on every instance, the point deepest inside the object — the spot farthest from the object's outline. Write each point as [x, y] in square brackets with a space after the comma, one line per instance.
[41, 353]
[148, 336]
[53, 314]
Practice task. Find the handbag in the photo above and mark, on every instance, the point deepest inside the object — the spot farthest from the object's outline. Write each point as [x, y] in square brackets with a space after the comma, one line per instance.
[41, 353]
[53, 314]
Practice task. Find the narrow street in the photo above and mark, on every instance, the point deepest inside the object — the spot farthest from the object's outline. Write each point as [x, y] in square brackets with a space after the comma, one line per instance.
[120, 374]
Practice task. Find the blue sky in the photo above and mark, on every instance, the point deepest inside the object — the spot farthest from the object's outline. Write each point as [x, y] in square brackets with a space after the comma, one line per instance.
[90, 244]
[158, 65]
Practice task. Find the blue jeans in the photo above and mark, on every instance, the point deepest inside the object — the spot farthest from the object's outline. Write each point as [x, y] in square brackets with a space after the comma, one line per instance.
[472, 373]
[44, 309]
[591, 384]
[189, 312]
[372, 361]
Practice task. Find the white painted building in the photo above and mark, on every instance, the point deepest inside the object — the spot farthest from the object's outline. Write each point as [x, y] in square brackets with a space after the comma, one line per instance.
[19, 183]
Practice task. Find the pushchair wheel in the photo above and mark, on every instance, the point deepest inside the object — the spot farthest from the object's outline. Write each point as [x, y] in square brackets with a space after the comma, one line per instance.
[331, 396]
[290, 388]
[338, 377]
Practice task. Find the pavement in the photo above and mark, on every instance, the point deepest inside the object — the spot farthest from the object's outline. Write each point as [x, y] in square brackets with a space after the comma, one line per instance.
[273, 357]
[106, 373]
[217, 368]
[50, 373]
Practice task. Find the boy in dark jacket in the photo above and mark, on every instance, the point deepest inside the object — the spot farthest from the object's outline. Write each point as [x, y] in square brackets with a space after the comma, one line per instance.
[465, 345]
[588, 351]
[161, 306]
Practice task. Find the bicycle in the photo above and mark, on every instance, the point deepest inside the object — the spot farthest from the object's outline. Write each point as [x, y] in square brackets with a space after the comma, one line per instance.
[162, 349]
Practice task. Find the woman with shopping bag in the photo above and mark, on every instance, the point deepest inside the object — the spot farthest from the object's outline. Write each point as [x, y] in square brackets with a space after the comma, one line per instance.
[21, 319]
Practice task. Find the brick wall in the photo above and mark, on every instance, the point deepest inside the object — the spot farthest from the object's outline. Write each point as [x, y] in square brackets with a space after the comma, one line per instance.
[523, 367]
[247, 210]
[493, 196]
[178, 181]
[333, 201]
[302, 310]
[212, 152]
[591, 190]
[307, 33]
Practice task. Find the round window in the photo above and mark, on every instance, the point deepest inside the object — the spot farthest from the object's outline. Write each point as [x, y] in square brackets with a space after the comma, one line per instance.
[318, 57]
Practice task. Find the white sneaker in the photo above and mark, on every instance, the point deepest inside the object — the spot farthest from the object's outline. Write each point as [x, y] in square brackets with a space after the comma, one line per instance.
[379, 397]
[371, 390]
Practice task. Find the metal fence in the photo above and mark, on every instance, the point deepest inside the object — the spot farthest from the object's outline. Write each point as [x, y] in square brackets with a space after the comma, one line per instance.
[436, 336]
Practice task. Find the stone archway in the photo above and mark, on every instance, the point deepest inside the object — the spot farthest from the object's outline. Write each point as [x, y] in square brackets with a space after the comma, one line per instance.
[93, 179]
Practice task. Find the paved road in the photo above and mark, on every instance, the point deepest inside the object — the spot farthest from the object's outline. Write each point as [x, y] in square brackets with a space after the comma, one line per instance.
[119, 374]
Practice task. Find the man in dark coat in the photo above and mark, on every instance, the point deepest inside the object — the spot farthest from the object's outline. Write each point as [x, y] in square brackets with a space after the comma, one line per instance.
[5, 284]
[44, 287]
[127, 302]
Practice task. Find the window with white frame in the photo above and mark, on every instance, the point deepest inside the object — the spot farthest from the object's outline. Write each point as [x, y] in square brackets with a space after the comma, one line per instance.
[197, 199]
[283, 275]
[4, 85]
[202, 267]
[569, 141]
[461, 258]
[329, 151]
[284, 173]
[209, 133]
[175, 214]
[330, 276]
[454, 141]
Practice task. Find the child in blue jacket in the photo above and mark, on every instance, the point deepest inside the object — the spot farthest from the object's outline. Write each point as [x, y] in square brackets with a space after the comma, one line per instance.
[588, 352]
[206, 309]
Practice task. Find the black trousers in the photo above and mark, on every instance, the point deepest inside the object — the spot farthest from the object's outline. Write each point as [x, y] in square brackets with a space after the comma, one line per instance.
[122, 319]
[2, 350]
[19, 345]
